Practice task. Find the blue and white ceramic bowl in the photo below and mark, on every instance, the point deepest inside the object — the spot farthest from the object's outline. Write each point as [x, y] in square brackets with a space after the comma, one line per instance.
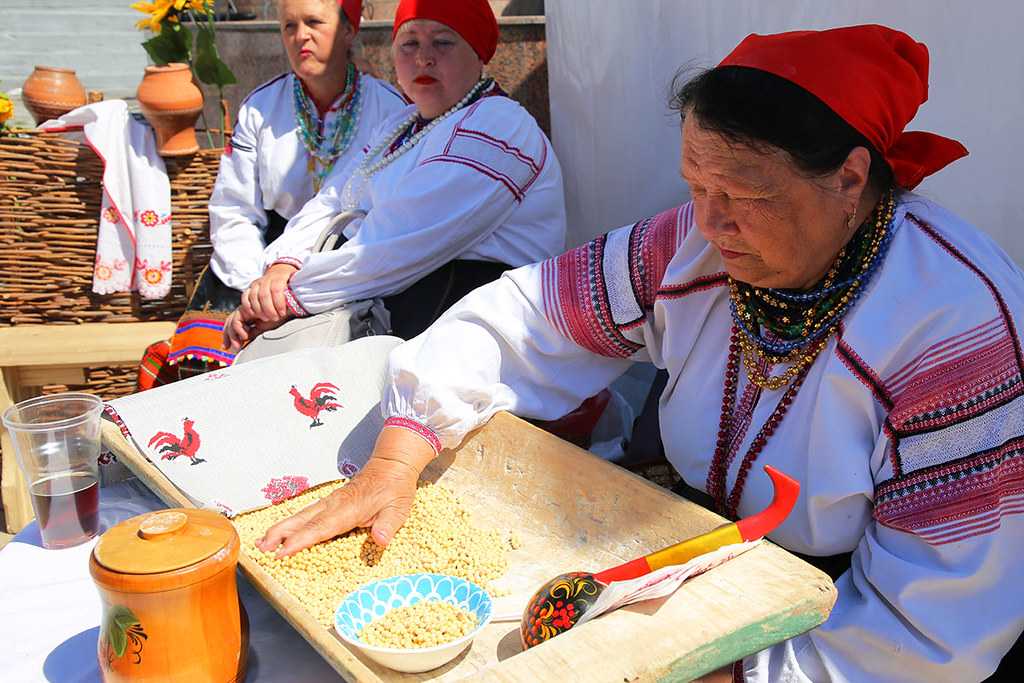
[375, 599]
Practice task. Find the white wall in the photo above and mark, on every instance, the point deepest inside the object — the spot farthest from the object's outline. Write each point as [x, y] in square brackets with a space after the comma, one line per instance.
[611, 62]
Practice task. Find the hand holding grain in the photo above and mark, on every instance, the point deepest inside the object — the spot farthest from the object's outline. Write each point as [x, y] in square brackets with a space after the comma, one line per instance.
[379, 497]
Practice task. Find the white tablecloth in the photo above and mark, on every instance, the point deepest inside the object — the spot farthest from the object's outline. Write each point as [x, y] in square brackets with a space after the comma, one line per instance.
[50, 610]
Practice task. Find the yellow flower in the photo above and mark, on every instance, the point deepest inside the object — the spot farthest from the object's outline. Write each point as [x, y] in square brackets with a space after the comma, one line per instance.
[198, 6]
[156, 10]
[6, 109]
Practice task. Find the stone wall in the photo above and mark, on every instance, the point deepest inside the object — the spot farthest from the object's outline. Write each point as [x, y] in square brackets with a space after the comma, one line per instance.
[253, 51]
[384, 10]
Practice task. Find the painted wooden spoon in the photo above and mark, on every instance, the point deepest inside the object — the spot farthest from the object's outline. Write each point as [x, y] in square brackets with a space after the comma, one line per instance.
[559, 603]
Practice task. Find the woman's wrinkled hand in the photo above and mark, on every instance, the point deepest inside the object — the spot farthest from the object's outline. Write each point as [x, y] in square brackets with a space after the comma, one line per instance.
[238, 332]
[379, 498]
[264, 300]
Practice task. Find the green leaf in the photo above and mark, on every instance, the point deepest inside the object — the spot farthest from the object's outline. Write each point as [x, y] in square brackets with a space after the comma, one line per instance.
[208, 66]
[119, 620]
[124, 617]
[118, 639]
[172, 44]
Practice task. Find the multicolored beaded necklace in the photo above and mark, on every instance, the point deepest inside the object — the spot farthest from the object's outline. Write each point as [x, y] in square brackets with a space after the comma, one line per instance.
[404, 137]
[326, 146]
[792, 327]
[772, 326]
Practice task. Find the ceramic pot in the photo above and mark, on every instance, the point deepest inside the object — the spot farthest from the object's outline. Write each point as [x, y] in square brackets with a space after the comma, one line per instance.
[49, 93]
[170, 603]
[171, 103]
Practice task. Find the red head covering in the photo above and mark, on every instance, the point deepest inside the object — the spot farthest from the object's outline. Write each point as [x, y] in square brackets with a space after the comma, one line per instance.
[874, 77]
[353, 10]
[472, 19]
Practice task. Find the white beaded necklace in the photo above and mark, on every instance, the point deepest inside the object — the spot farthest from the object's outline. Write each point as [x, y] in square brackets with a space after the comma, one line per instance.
[359, 178]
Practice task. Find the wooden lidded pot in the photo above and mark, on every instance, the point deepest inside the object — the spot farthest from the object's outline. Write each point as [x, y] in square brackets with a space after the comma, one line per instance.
[170, 601]
[50, 92]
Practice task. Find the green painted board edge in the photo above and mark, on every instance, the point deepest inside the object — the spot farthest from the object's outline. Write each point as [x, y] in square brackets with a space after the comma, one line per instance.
[746, 641]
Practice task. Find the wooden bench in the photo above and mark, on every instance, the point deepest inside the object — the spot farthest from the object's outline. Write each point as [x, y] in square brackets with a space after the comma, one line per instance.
[33, 356]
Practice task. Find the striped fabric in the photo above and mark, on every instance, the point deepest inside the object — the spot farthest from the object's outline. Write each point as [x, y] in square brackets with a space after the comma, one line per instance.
[600, 294]
[200, 336]
[956, 426]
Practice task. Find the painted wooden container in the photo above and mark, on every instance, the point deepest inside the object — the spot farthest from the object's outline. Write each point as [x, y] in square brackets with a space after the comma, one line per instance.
[170, 602]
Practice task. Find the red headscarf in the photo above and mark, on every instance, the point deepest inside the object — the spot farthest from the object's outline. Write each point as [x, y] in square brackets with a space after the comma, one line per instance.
[874, 77]
[472, 19]
[353, 10]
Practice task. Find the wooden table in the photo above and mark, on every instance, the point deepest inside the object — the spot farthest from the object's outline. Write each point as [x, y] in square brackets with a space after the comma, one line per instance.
[574, 511]
[32, 356]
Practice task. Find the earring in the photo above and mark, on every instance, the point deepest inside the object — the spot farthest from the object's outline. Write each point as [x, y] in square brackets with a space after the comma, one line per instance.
[850, 220]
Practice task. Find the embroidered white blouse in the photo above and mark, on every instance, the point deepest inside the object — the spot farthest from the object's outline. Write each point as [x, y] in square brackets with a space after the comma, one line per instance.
[907, 434]
[484, 184]
[267, 169]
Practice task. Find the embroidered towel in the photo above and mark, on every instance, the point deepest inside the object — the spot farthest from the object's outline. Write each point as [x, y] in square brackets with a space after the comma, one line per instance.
[133, 247]
[248, 435]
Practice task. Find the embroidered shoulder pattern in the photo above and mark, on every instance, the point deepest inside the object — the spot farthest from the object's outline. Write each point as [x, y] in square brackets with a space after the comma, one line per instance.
[956, 427]
[495, 158]
[599, 294]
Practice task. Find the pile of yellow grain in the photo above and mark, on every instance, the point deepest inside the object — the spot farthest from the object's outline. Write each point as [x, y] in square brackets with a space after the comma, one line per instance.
[439, 537]
[425, 624]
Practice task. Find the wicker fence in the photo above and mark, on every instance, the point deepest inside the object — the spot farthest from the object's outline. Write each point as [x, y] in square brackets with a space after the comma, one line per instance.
[50, 193]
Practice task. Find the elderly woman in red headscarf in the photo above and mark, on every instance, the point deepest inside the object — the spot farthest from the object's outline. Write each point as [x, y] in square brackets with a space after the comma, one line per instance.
[452, 190]
[813, 313]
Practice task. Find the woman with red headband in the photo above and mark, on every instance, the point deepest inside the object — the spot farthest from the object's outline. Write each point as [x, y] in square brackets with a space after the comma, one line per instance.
[291, 133]
[813, 314]
[451, 191]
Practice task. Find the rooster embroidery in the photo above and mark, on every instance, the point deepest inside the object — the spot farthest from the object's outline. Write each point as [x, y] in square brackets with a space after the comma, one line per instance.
[171, 446]
[321, 398]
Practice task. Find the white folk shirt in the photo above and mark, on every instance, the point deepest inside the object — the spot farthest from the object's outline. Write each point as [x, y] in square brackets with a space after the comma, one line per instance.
[267, 169]
[483, 185]
[907, 435]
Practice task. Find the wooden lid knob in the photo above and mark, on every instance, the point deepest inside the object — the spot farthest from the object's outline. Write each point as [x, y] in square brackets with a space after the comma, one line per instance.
[160, 523]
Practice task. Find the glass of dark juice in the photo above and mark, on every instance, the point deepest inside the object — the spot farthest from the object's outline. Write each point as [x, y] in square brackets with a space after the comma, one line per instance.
[57, 441]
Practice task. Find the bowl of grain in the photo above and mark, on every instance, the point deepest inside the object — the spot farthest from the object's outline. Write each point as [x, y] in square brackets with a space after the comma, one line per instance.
[413, 622]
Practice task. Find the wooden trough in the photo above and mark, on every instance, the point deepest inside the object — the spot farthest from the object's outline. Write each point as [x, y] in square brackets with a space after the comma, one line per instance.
[573, 511]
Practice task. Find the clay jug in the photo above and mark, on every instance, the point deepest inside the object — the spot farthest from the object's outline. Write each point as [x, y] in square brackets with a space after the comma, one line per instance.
[171, 103]
[49, 93]
[170, 603]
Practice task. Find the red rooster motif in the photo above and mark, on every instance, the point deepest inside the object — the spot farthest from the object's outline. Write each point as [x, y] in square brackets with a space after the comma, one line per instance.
[171, 446]
[321, 397]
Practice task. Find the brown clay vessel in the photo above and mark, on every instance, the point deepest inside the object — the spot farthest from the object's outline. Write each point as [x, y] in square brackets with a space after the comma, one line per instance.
[50, 92]
[170, 603]
[171, 103]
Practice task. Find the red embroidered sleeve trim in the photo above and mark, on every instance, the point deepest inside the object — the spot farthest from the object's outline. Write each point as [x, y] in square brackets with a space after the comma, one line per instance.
[294, 307]
[424, 431]
[601, 317]
[287, 260]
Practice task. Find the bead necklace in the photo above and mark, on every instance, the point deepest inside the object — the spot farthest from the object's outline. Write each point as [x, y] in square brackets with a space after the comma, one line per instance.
[811, 317]
[367, 168]
[326, 147]
[752, 308]
[718, 471]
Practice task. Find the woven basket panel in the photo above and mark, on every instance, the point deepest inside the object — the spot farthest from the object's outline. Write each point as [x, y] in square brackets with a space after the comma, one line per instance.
[50, 194]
